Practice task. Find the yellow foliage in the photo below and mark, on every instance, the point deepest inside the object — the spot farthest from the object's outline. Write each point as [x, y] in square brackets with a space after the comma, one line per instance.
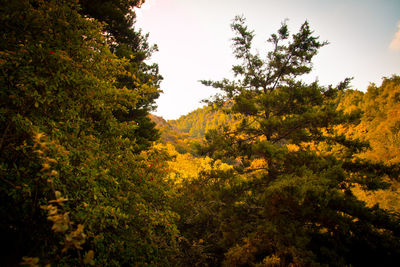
[258, 163]
[29, 261]
[75, 239]
[240, 255]
[272, 261]
[61, 221]
[292, 147]
[186, 166]
[89, 258]
[388, 199]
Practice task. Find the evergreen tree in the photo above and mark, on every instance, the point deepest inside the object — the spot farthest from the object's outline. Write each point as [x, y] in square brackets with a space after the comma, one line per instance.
[130, 44]
[286, 202]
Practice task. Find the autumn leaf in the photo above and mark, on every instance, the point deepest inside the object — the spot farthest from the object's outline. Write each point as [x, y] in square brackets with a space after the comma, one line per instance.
[89, 258]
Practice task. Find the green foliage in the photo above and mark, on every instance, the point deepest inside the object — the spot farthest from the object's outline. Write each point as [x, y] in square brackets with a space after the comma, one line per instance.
[120, 17]
[286, 201]
[76, 186]
[132, 46]
[286, 173]
[169, 134]
[188, 132]
[201, 120]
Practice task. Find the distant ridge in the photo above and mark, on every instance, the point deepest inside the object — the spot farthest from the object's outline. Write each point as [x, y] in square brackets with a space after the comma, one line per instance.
[190, 129]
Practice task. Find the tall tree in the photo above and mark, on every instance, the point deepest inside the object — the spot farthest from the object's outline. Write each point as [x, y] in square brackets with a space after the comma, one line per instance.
[119, 16]
[131, 44]
[74, 188]
[287, 202]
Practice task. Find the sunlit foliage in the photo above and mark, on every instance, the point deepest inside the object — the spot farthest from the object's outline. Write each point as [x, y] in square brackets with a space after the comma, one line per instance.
[275, 172]
[288, 200]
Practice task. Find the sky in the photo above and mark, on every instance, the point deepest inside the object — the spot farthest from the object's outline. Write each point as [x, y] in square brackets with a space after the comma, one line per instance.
[194, 41]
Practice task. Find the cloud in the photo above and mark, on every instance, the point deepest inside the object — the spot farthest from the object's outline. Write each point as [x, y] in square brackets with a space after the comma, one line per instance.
[395, 44]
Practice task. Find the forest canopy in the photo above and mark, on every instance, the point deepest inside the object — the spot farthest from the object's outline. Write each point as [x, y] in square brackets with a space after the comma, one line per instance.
[274, 172]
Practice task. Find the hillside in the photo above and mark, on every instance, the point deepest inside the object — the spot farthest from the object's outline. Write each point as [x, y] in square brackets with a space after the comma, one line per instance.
[199, 121]
[189, 130]
[170, 131]
[170, 134]
[89, 178]
[378, 106]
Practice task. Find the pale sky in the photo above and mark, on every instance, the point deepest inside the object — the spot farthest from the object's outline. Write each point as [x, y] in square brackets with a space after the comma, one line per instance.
[194, 40]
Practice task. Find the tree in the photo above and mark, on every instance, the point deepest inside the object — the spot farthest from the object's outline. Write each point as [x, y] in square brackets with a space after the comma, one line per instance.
[130, 44]
[76, 185]
[119, 16]
[287, 202]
